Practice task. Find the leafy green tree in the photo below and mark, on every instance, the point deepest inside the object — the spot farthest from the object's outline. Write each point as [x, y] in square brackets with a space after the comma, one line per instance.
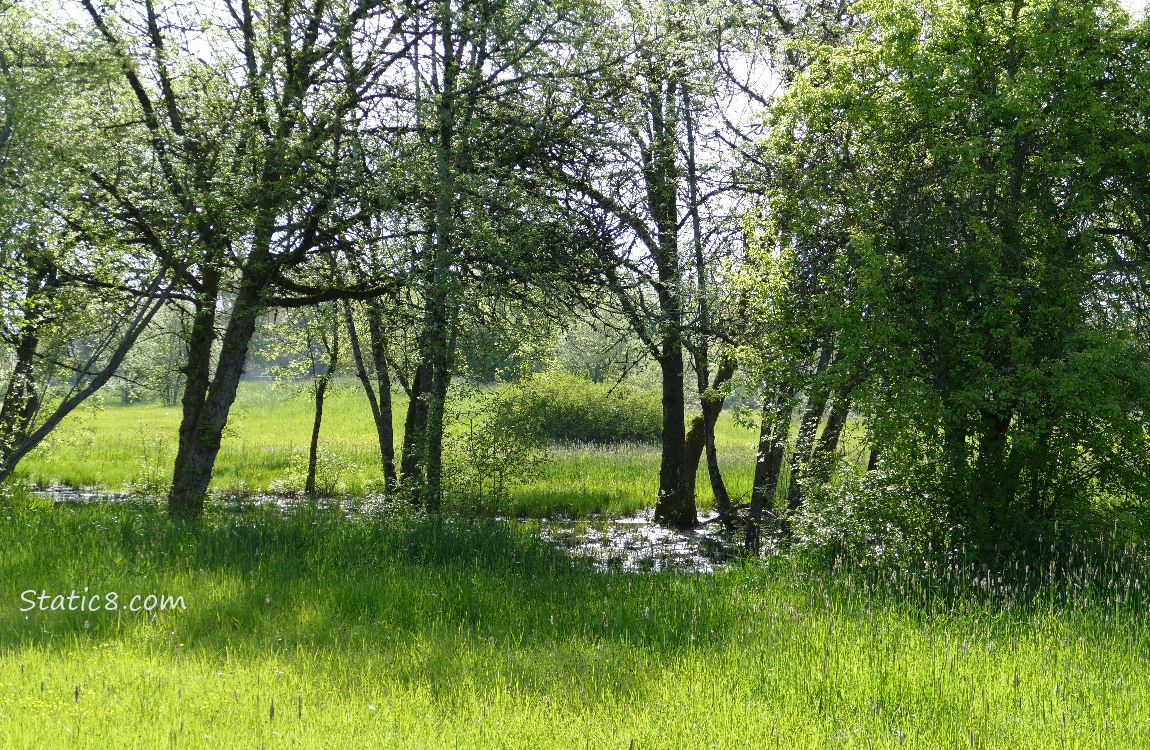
[74, 299]
[970, 177]
[633, 177]
[245, 116]
[490, 111]
[305, 346]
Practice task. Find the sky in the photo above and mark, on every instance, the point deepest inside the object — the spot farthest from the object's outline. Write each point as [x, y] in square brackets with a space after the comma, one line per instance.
[1137, 6]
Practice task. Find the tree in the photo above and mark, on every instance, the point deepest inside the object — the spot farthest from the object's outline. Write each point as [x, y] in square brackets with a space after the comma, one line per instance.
[245, 116]
[490, 113]
[634, 177]
[982, 164]
[74, 298]
[305, 343]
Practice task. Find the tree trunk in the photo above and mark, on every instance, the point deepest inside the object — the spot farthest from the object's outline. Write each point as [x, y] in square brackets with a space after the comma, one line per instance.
[808, 429]
[378, 401]
[768, 465]
[313, 447]
[436, 335]
[20, 398]
[205, 417]
[331, 346]
[701, 438]
[675, 506]
[383, 425]
[21, 401]
[695, 445]
[712, 408]
[995, 475]
[24, 416]
[804, 447]
[414, 432]
[828, 442]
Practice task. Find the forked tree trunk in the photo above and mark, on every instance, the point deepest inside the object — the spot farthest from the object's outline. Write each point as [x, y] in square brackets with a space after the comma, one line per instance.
[206, 405]
[701, 438]
[414, 431]
[379, 393]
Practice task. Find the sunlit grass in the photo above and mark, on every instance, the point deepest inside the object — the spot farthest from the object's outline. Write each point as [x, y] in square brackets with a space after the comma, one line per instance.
[414, 633]
[116, 447]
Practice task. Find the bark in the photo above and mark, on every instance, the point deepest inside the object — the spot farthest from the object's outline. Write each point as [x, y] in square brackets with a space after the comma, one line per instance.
[379, 393]
[701, 438]
[828, 442]
[768, 465]
[21, 400]
[313, 447]
[414, 430]
[804, 447]
[383, 425]
[675, 507]
[331, 345]
[20, 397]
[436, 334]
[808, 428]
[206, 405]
[23, 408]
[696, 443]
[712, 408]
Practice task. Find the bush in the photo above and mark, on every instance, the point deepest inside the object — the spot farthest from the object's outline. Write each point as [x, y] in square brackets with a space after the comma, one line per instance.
[491, 450]
[871, 517]
[565, 408]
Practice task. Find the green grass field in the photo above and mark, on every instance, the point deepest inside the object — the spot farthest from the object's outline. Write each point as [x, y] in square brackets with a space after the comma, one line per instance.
[393, 633]
[116, 447]
[316, 628]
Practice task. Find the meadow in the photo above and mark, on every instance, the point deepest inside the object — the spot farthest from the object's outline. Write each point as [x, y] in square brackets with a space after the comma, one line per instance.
[367, 625]
[316, 629]
[114, 447]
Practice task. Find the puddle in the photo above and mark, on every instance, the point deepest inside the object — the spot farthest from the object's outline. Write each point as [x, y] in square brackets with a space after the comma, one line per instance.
[637, 544]
[631, 544]
[60, 494]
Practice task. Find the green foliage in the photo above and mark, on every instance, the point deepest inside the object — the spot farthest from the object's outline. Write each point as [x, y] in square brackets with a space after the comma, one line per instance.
[604, 354]
[565, 408]
[877, 517]
[958, 192]
[491, 449]
[330, 475]
[503, 342]
[151, 371]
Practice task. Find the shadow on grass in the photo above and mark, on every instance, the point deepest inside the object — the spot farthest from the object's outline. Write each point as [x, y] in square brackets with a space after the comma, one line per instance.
[434, 598]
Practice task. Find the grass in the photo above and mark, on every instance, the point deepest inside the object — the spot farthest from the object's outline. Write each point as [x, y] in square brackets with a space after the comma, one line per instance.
[116, 447]
[408, 632]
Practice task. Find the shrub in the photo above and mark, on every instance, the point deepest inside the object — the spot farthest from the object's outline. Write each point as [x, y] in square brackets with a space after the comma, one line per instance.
[565, 408]
[490, 451]
[873, 516]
